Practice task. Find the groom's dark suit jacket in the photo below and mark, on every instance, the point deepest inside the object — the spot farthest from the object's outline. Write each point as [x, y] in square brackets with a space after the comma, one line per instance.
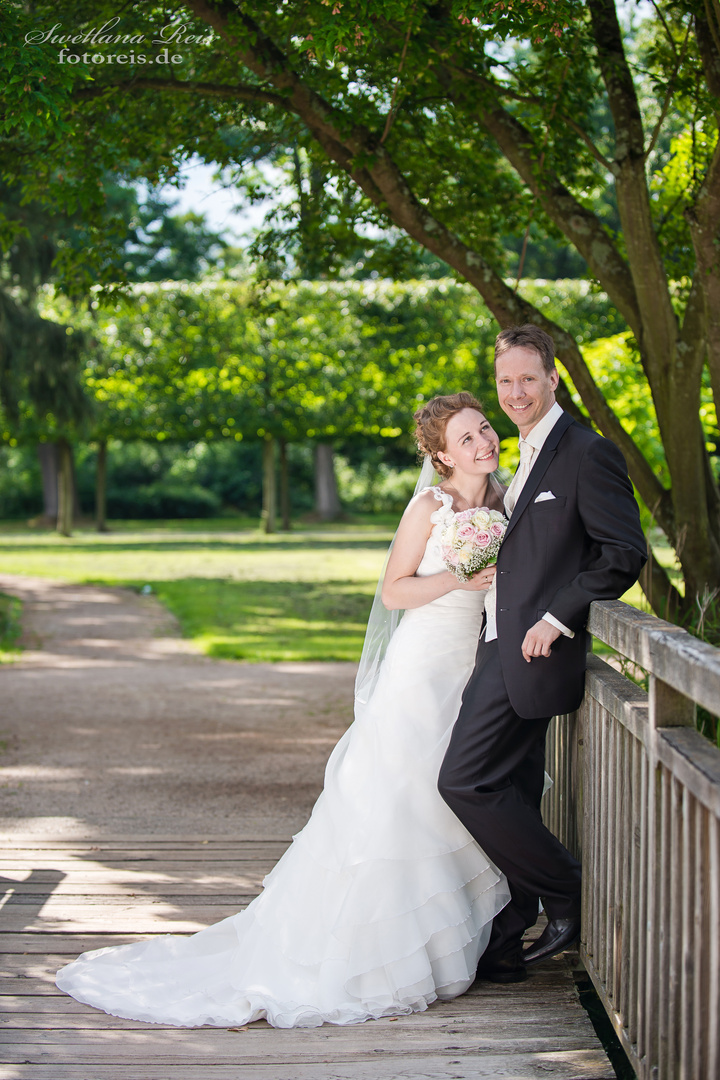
[558, 556]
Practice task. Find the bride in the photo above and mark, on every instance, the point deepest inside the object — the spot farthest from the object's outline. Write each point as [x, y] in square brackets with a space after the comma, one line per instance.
[384, 902]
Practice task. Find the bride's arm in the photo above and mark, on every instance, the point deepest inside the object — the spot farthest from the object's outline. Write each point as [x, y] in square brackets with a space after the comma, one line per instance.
[401, 589]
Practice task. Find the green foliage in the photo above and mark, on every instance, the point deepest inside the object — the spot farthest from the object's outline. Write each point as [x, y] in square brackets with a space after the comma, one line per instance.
[616, 369]
[228, 470]
[224, 359]
[20, 483]
[347, 53]
[374, 487]
[41, 392]
[162, 500]
[583, 309]
[151, 243]
[172, 481]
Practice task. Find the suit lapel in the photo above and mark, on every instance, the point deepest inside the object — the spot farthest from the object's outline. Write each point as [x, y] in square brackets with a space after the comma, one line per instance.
[539, 469]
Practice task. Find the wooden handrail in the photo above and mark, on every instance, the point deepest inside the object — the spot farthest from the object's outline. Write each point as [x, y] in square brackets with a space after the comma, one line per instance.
[688, 665]
[637, 798]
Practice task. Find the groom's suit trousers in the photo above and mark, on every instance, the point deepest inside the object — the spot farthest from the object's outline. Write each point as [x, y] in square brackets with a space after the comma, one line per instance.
[492, 778]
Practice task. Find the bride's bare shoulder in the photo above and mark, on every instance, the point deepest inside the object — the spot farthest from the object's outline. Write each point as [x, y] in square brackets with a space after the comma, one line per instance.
[422, 506]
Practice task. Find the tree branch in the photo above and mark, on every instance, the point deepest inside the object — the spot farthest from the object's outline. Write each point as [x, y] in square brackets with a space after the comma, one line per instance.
[703, 307]
[238, 92]
[387, 188]
[658, 328]
[712, 18]
[693, 331]
[579, 224]
[666, 28]
[596, 153]
[532, 99]
[391, 111]
[707, 36]
[670, 90]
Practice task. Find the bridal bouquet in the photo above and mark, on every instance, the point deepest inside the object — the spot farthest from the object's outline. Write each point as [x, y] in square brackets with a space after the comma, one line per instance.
[472, 541]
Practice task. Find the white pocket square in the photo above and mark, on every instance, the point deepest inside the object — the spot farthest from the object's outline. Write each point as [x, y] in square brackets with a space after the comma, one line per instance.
[544, 496]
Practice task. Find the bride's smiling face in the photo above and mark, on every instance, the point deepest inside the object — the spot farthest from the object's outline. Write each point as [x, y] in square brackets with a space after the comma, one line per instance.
[471, 445]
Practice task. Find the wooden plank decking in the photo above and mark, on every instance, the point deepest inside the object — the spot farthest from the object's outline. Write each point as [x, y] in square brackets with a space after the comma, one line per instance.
[62, 897]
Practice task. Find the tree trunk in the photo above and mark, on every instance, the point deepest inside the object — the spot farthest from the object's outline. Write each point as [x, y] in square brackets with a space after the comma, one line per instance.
[66, 488]
[284, 488]
[101, 487]
[327, 499]
[73, 481]
[269, 496]
[48, 455]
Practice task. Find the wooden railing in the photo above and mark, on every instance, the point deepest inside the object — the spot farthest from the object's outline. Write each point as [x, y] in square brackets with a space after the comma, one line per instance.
[637, 798]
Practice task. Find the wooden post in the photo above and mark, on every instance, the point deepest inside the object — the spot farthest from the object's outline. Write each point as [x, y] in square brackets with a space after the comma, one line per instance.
[669, 707]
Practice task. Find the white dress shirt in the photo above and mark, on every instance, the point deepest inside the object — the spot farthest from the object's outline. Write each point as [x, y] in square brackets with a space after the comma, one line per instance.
[536, 439]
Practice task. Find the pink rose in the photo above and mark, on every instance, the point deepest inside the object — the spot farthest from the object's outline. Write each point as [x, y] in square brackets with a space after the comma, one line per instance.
[464, 515]
[466, 532]
[482, 539]
[497, 529]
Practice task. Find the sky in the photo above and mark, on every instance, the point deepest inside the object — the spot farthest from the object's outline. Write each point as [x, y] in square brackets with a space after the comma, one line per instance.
[220, 205]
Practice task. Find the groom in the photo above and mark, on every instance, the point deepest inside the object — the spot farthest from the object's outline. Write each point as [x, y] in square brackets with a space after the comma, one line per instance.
[574, 536]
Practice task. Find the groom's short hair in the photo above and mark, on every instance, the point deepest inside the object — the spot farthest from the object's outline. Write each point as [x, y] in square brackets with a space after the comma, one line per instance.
[527, 337]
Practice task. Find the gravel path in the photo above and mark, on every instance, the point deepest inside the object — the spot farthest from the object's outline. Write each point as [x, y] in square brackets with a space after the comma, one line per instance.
[112, 724]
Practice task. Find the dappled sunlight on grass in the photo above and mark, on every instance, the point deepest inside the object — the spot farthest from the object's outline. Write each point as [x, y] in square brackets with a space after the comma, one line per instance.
[268, 621]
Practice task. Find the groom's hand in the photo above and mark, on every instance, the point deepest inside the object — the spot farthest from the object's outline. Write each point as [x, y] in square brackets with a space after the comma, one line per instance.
[538, 640]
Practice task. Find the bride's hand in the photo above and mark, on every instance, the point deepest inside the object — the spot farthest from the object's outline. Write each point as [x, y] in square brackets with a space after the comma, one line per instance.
[481, 581]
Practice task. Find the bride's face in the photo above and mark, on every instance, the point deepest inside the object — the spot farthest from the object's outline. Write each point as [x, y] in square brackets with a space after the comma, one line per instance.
[471, 445]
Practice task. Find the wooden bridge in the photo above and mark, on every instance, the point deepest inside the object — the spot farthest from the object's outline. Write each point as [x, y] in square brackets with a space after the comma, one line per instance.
[63, 897]
[637, 792]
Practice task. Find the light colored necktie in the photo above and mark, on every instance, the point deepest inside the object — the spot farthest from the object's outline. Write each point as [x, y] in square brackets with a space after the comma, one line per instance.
[518, 481]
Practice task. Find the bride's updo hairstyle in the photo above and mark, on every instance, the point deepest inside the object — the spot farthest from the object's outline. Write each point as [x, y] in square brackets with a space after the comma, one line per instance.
[432, 421]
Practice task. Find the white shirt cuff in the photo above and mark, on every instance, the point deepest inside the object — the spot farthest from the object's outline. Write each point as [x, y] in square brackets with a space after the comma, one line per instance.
[558, 625]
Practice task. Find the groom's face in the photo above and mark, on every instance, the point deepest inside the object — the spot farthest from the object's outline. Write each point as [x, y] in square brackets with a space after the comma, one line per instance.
[526, 391]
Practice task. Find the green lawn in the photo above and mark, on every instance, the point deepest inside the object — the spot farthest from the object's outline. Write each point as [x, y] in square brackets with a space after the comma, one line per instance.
[303, 595]
[239, 594]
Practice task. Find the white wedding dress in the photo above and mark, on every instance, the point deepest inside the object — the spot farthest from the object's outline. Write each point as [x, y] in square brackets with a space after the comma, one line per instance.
[383, 902]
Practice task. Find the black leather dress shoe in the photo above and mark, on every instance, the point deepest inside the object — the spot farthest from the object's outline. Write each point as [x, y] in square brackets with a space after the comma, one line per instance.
[510, 969]
[557, 936]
